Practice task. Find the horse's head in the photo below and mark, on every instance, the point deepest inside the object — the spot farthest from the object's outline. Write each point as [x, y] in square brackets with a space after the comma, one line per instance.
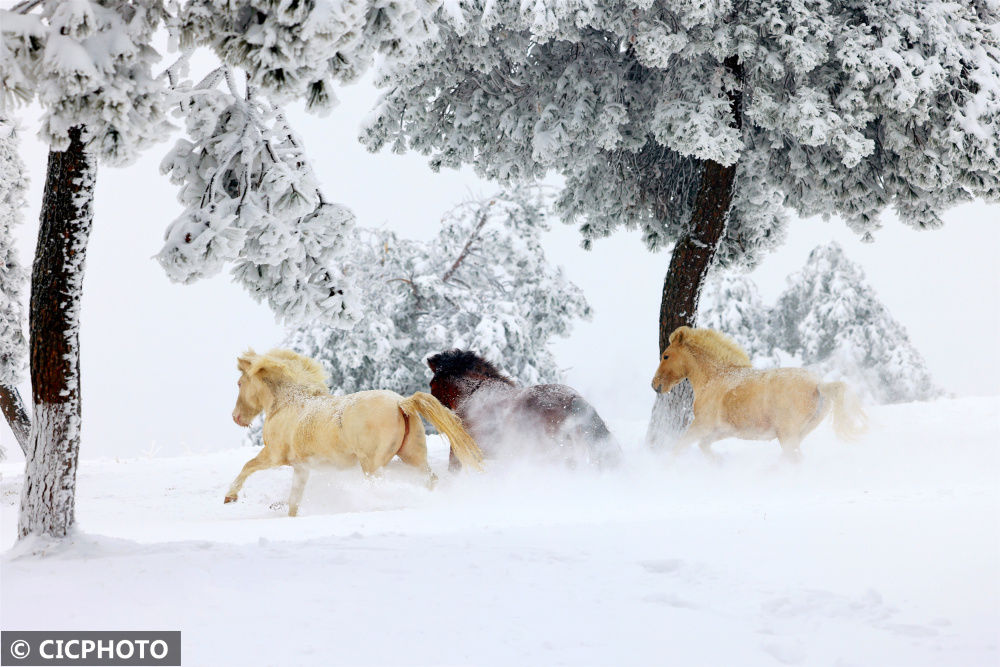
[673, 366]
[447, 386]
[447, 391]
[458, 373]
[253, 393]
[261, 373]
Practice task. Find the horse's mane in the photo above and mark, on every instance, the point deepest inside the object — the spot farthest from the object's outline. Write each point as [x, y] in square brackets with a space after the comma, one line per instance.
[713, 344]
[287, 364]
[457, 363]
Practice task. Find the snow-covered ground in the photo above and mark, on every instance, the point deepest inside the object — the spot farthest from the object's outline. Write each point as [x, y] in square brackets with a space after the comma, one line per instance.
[883, 552]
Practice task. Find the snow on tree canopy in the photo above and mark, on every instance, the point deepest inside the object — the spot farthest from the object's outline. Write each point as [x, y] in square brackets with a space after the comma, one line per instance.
[828, 319]
[13, 277]
[482, 283]
[252, 199]
[300, 50]
[88, 63]
[843, 108]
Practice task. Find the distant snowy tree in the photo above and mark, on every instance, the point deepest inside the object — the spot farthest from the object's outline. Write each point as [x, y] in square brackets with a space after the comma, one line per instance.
[694, 122]
[89, 64]
[13, 278]
[733, 305]
[831, 319]
[828, 319]
[482, 283]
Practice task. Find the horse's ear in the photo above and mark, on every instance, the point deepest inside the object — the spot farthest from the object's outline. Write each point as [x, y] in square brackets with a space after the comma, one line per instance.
[245, 360]
[432, 362]
[677, 337]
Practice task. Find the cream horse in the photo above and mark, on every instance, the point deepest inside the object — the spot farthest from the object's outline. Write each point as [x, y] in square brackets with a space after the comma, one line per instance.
[733, 400]
[305, 425]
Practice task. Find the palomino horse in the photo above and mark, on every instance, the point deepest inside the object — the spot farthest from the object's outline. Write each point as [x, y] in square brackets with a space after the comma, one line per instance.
[504, 417]
[305, 425]
[731, 399]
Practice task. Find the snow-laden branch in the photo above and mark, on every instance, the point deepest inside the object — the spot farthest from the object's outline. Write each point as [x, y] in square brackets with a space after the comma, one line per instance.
[252, 200]
[473, 236]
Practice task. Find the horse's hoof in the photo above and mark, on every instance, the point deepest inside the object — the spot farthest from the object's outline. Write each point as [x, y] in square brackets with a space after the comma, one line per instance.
[229, 499]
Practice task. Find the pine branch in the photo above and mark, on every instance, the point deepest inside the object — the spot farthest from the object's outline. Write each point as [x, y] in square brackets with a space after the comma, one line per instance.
[413, 288]
[17, 417]
[483, 215]
[26, 6]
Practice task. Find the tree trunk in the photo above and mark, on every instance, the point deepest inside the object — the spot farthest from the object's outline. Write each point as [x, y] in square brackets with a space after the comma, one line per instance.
[48, 497]
[689, 264]
[17, 417]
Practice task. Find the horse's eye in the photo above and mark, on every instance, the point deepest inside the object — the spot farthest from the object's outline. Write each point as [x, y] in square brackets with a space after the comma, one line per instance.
[665, 357]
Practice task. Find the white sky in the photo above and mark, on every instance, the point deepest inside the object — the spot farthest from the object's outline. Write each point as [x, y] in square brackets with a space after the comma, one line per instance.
[159, 359]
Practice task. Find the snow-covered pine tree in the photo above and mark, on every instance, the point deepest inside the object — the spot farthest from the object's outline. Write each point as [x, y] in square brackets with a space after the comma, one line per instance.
[13, 278]
[88, 62]
[832, 320]
[694, 121]
[482, 283]
[251, 198]
[828, 319]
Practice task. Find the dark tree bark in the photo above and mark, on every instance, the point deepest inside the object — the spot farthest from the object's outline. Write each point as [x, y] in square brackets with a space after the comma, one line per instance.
[694, 252]
[48, 497]
[689, 264]
[17, 417]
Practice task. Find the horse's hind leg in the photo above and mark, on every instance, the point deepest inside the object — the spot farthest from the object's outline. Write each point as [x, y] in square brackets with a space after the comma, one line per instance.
[791, 434]
[259, 462]
[790, 448]
[414, 453]
[299, 479]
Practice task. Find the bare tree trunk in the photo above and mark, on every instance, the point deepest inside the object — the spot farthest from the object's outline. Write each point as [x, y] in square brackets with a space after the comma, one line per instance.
[48, 497]
[689, 264]
[17, 417]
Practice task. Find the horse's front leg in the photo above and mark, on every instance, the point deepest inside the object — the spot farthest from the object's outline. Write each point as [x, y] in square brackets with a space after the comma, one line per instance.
[689, 437]
[259, 462]
[299, 479]
[705, 445]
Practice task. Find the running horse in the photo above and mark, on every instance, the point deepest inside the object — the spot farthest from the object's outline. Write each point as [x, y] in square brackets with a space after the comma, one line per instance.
[504, 418]
[734, 400]
[304, 425]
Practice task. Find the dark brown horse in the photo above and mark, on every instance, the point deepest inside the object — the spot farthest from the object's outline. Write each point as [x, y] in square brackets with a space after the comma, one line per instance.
[548, 419]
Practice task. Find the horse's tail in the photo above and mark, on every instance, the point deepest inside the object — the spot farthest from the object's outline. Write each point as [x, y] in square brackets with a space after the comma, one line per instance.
[849, 419]
[447, 422]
